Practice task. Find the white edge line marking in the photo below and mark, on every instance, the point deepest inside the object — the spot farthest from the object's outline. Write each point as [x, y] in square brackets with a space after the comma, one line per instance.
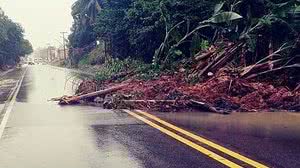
[11, 104]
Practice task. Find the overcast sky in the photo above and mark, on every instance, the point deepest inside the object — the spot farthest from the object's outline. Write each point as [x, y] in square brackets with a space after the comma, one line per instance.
[43, 20]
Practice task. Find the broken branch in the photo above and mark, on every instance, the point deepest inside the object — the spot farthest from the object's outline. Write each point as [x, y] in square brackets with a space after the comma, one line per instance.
[73, 99]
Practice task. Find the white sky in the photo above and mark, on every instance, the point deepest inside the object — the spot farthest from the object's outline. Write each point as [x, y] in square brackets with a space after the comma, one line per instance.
[43, 20]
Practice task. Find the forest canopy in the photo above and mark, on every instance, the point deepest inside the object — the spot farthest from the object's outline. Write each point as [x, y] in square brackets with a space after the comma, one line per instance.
[164, 32]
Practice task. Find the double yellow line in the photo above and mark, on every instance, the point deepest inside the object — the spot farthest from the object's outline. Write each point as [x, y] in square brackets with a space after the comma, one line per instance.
[142, 116]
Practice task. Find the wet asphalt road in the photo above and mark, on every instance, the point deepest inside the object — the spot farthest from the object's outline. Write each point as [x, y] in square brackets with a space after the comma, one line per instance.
[41, 134]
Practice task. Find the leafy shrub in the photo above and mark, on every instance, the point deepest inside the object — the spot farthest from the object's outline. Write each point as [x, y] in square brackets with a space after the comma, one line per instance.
[112, 67]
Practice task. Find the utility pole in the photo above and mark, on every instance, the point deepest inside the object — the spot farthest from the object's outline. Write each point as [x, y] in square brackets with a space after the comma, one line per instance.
[64, 44]
[48, 53]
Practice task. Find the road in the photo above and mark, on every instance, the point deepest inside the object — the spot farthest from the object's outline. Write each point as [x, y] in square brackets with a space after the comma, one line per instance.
[36, 133]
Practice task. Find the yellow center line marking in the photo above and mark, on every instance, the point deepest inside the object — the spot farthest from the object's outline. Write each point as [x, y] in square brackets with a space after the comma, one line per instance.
[187, 142]
[205, 141]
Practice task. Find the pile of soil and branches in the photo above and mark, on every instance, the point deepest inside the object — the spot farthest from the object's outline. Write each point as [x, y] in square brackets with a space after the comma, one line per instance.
[221, 86]
[222, 93]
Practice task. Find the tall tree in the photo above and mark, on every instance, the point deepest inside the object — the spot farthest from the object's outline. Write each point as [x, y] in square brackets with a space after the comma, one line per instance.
[12, 42]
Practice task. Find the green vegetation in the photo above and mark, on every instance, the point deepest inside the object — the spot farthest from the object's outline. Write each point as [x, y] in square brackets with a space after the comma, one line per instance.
[116, 69]
[12, 42]
[163, 32]
[112, 68]
[95, 57]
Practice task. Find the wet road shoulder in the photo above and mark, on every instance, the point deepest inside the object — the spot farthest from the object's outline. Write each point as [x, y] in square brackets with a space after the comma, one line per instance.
[10, 103]
[9, 88]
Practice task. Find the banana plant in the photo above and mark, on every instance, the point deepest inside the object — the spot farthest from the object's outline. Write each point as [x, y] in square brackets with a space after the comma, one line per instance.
[219, 17]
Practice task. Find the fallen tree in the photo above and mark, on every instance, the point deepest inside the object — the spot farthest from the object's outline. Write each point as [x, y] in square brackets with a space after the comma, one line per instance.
[65, 100]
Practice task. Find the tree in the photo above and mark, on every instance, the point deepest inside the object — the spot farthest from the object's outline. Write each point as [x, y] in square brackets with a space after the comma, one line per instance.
[86, 10]
[84, 13]
[176, 29]
[112, 27]
[26, 47]
[12, 42]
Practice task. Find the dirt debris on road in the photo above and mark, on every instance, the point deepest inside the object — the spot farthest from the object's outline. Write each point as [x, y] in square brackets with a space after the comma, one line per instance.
[219, 86]
[171, 93]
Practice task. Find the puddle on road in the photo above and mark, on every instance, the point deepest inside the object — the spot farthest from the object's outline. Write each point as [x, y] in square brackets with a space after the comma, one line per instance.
[276, 125]
[38, 88]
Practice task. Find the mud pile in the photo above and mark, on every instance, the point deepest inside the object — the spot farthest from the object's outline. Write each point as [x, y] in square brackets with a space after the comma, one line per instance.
[172, 93]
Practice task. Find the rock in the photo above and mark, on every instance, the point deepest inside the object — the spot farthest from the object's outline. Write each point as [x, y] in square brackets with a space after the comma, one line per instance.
[210, 74]
[108, 102]
[226, 104]
[182, 70]
[98, 100]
